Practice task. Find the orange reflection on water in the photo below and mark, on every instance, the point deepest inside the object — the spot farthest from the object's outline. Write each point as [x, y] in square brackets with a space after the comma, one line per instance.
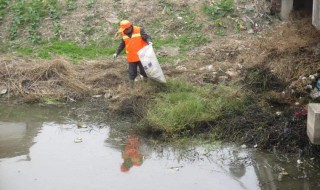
[131, 155]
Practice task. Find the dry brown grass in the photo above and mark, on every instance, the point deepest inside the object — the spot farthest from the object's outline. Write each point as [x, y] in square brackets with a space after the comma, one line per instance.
[58, 78]
[291, 52]
[34, 79]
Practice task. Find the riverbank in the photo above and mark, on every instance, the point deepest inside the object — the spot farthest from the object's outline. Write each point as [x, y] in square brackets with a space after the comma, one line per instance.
[264, 66]
[266, 122]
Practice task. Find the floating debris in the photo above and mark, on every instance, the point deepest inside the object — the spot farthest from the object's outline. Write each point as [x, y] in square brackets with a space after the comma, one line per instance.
[281, 174]
[175, 168]
[78, 140]
[82, 125]
[243, 146]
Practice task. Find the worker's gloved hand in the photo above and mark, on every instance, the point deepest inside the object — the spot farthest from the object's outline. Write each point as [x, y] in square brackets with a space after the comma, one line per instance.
[115, 56]
[150, 43]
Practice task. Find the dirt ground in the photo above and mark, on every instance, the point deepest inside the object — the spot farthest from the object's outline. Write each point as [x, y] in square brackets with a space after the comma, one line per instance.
[276, 63]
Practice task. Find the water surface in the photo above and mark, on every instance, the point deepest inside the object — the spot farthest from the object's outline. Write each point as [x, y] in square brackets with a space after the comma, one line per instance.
[79, 148]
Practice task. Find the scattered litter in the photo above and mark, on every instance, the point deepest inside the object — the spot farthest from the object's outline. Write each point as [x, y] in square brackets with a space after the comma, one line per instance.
[78, 140]
[232, 73]
[208, 68]
[304, 176]
[281, 174]
[71, 99]
[117, 139]
[97, 96]
[312, 77]
[278, 113]
[181, 68]
[175, 168]
[309, 86]
[108, 94]
[243, 146]
[81, 125]
[255, 146]
[3, 90]
[303, 112]
[223, 78]
[299, 161]
[315, 93]
[250, 31]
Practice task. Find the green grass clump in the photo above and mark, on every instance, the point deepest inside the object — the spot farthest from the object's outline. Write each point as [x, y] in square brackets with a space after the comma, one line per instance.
[184, 106]
[68, 49]
[184, 30]
[224, 17]
[219, 9]
[3, 10]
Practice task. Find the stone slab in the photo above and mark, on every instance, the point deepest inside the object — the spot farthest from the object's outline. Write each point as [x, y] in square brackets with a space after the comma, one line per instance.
[286, 8]
[313, 123]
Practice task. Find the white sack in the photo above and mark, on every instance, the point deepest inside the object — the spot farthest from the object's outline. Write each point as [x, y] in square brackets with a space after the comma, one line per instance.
[150, 63]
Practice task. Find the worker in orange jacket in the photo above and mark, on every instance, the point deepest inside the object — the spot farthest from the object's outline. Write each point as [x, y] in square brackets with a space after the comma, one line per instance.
[133, 39]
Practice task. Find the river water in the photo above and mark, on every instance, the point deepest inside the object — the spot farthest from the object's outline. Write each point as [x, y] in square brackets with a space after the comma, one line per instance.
[66, 147]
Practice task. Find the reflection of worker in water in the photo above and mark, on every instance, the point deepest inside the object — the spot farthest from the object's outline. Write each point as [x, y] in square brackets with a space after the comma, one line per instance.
[237, 168]
[131, 155]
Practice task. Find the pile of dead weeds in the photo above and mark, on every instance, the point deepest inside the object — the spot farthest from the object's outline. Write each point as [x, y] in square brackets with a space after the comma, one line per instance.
[32, 81]
[60, 79]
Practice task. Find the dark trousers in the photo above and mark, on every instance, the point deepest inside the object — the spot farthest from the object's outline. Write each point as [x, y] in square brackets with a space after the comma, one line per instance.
[133, 70]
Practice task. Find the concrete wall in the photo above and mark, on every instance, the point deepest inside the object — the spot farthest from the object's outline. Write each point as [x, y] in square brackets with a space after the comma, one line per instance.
[316, 14]
[286, 8]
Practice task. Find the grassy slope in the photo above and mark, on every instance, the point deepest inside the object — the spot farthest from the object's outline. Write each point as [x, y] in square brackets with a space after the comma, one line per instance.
[92, 24]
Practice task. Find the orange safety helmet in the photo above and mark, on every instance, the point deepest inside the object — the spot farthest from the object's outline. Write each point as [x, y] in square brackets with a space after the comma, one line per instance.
[124, 25]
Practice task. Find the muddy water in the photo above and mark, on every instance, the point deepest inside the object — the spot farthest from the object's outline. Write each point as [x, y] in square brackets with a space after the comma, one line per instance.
[59, 148]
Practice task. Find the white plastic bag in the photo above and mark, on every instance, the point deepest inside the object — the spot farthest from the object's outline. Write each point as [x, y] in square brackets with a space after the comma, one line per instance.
[150, 63]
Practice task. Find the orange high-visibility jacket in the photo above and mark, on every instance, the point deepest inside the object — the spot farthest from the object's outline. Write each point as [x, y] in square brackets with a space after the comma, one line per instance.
[133, 44]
